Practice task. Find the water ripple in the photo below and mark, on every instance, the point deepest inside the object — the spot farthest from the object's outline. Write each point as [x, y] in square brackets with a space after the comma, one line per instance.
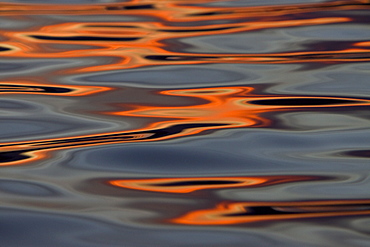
[189, 122]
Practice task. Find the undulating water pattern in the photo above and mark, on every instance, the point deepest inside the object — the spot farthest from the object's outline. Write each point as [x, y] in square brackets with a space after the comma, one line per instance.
[180, 123]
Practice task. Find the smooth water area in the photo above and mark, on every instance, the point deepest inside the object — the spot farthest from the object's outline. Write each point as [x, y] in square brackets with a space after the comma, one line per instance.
[180, 123]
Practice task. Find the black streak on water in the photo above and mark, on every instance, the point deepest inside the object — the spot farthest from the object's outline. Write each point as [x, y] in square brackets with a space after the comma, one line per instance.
[36, 89]
[262, 210]
[210, 13]
[112, 26]
[83, 38]
[270, 210]
[357, 153]
[177, 58]
[318, 56]
[12, 156]
[196, 30]
[196, 183]
[302, 102]
[131, 7]
[4, 49]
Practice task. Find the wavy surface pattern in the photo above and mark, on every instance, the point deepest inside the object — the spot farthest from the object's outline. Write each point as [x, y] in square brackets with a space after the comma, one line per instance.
[185, 123]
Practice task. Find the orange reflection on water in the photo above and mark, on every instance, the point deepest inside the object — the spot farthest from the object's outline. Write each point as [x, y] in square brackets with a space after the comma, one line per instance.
[232, 106]
[180, 10]
[224, 105]
[222, 110]
[133, 44]
[187, 185]
[32, 151]
[36, 87]
[217, 108]
[228, 213]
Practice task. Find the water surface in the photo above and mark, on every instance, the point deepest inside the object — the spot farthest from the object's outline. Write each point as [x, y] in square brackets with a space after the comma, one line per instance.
[185, 123]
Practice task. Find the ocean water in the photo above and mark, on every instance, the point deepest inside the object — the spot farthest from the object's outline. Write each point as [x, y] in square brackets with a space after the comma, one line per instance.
[178, 123]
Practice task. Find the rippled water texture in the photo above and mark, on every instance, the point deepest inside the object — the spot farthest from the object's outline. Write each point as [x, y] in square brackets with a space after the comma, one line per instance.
[178, 123]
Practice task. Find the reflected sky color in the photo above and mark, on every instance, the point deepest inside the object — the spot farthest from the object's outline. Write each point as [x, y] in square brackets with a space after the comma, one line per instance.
[192, 123]
[187, 185]
[238, 213]
[224, 108]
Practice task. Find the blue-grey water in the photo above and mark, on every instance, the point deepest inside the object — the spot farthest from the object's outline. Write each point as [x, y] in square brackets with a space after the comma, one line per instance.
[178, 123]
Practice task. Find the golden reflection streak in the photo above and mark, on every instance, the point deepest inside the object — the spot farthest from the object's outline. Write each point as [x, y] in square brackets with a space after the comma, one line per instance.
[30, 87]
[228, 213]
[179, 11]
[223, 107]
[152, 35]
[210, 94]
[363, 43]
[46, 146]
[188, 185]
